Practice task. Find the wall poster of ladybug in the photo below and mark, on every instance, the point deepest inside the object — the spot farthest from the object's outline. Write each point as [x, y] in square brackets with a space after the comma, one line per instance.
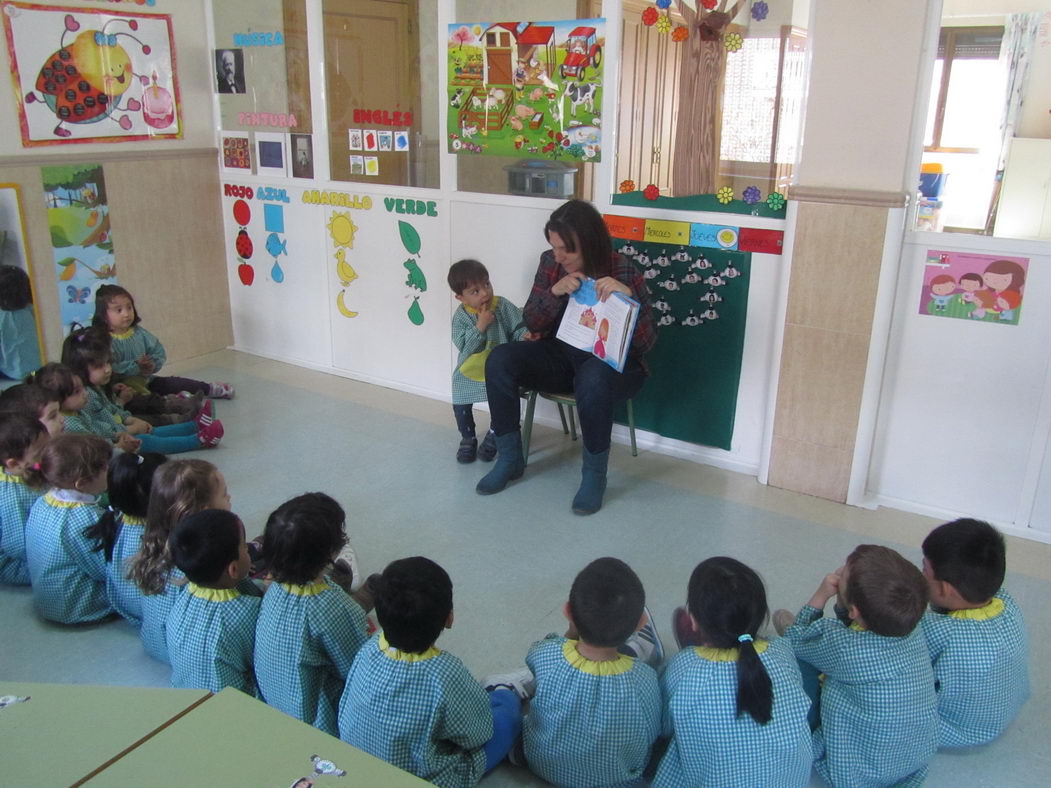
[527, 89]
[86, 75]
[81, 240]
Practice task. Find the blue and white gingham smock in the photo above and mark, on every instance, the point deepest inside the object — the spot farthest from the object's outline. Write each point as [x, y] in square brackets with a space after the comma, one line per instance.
[155, 611]
[710, 744]
[981, 672]
[423, 713]
[68, 575]
[16, 498]
[211, 637]
[507, 326]
[124, 596]
[131, 345]
[102, 416]
[305, 642]
[590, 723]
[879, 717]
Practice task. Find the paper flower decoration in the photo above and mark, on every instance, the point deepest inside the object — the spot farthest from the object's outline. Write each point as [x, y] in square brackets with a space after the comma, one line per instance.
[663, 25]
[626, 186]
[775, 200]
[760, 10]
[751, 195]
[649, 16]
[680, 33]
[733, 42]
[651, 192]
[709, 4]
[663, 3]
[725, 194]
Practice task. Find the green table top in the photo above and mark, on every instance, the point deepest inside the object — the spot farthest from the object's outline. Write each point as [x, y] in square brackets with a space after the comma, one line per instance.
[233, 740]
[64, 732]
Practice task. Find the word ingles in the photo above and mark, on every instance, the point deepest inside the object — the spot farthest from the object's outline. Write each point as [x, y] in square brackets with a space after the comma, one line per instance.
[382, 117]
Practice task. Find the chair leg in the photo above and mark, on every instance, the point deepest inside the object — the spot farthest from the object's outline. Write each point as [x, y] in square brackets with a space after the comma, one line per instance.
[527, 425]
[631, 429]
[572, 422]
[562, 415]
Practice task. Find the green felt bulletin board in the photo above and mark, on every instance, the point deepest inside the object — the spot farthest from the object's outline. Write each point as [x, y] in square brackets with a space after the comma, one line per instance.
[700, 298]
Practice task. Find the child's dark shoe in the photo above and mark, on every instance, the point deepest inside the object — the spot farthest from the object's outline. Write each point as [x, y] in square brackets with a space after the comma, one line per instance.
[468, 450]
[487, 450]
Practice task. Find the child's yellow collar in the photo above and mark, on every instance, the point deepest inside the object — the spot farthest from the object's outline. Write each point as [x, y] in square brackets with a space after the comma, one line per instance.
[305, 589]
[727, 654]
[123, 334]
[611, 667]
[406, 656]
[212, 594]
[492, 306]
[11, 478]
[984, 613]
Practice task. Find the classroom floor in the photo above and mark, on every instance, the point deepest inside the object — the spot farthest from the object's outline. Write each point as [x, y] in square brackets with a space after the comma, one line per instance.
[388, 457]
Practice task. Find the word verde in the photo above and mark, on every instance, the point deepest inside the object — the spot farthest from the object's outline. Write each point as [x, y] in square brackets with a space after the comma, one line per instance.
[382, 117]
[259, 39]
[340, 199]
[269, 193]
[289, 121]
[414, 207]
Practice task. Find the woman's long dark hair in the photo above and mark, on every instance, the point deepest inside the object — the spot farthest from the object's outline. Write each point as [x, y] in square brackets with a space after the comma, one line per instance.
[582, 228]
[728, 600]
[15, 290]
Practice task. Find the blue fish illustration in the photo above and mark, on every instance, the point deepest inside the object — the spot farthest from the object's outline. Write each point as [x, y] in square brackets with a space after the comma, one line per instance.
[275, 246]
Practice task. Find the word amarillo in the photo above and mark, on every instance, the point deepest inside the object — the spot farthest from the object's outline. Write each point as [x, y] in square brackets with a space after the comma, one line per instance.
[269, 193]
[414, 207]
[288, 121]
[259, 39]
[382, 117]
[339, 199]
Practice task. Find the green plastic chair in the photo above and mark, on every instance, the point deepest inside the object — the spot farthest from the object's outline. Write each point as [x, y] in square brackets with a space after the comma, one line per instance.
[565, 402]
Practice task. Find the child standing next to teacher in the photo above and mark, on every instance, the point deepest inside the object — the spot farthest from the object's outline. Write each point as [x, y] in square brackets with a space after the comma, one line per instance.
[482, 322]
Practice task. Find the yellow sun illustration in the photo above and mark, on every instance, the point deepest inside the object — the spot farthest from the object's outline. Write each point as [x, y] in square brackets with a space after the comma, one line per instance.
[342, 229]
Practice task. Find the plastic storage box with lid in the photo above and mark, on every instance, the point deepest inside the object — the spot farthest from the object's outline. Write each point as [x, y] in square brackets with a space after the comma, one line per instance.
[541, 178]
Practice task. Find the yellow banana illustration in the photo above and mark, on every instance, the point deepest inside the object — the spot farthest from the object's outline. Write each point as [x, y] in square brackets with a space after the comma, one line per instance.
[344, 270]
[342, 307]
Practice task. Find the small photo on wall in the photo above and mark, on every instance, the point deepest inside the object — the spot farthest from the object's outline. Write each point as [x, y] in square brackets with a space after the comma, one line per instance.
[386, 140]
[271, 153]
[357, 165]
[302, 156]
[237, 153]
[354, 139]
[372, 165]
[229, 71]
[370, 140]
[401, 141]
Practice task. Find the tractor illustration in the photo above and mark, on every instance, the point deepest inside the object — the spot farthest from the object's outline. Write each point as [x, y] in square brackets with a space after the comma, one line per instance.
[582, 50]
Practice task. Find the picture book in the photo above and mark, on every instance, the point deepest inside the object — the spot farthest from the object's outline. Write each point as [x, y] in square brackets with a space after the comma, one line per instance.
[604, 328]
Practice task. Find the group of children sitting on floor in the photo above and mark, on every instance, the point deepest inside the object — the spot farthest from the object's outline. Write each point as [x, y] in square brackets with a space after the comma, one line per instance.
[865, 696]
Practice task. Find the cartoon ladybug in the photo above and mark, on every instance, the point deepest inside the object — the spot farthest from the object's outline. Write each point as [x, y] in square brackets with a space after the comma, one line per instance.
[82, 82]
[243, 245]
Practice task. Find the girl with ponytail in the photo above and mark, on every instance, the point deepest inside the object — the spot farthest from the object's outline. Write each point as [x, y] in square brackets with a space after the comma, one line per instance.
[735, 709]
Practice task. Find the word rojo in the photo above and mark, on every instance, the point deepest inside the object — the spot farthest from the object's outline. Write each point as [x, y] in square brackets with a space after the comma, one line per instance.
[268, 193]
[339, 199]
[282, 120]
[414, 207]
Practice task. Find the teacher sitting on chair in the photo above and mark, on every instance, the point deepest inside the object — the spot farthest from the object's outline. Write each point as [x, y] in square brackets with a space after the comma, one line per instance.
[580, 248]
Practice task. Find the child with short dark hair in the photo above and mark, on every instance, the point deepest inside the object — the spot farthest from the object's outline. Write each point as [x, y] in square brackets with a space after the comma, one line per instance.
[481, 322]
[413, 705]
[735, 708]
[211, 627]
[309, 628]
[35, 401]
[66, 567]
[878, 711]
[975, 633]
[63, 384]
[596, 712]
[179, 488]
[22, 439]
[130, 477]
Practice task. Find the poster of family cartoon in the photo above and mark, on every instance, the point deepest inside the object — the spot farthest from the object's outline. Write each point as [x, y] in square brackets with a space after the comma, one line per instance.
[88, 75]
[526, 89]
[974, 286]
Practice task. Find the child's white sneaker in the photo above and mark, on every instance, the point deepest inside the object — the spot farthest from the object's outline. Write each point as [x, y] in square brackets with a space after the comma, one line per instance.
[347, 560]
[645, 644]
[221, 390]
[521, 682]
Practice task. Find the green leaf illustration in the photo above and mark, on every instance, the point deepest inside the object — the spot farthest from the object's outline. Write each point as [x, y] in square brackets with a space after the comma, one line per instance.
[410, 239]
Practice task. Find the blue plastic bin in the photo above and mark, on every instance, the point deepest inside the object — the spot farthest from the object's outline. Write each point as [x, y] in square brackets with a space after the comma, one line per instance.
[932, 184]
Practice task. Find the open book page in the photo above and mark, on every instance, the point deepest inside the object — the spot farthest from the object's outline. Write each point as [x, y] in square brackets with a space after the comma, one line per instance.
[603, 328]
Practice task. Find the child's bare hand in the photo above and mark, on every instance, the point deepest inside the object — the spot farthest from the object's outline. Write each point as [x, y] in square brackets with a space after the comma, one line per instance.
[146, 365]
[485, 319]
[123, 393]
[530, 336]
[136, 426]
[127, 442]
[829, 588]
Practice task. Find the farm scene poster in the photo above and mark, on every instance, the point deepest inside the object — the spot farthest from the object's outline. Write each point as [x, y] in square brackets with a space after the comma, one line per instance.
[527, 89]
[91, 75]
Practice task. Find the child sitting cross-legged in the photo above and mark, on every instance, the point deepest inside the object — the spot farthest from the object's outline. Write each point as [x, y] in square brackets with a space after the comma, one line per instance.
[878, 715]
[975, 633]
[309, 628]
[22, 439]
[211, 626]
[414, 705]
[596, 712]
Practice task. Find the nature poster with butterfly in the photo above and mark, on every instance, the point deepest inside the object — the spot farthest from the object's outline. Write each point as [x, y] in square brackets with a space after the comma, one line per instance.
[81, 240]
[92, 75]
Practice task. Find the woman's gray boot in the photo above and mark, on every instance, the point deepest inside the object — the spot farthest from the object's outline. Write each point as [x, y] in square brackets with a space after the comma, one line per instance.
[509, 464]
[588, 499]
